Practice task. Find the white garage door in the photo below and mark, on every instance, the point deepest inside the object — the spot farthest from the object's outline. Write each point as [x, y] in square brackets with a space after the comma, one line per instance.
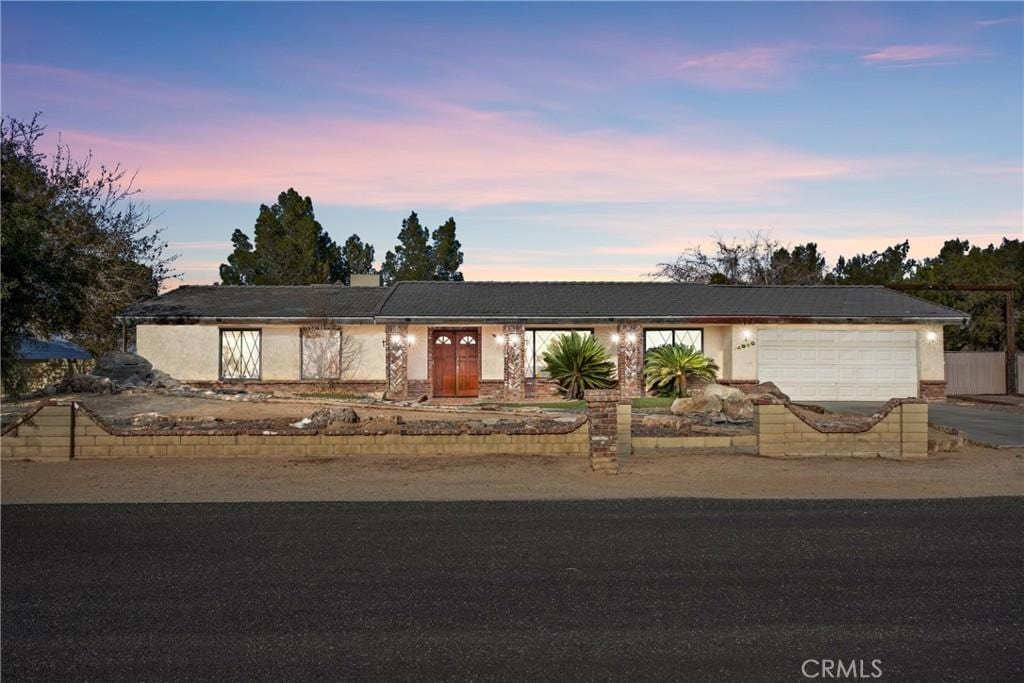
[848, 365]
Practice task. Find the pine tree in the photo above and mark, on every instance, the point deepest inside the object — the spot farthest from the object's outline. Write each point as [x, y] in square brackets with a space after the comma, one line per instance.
[413, 257]
[358, 257]
[289, 248]
[447, 253]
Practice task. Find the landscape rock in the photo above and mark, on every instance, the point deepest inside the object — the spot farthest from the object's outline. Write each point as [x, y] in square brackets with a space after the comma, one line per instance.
[721, 391]
[119, 366]
[150, 419]
[738, 407]
[86, 384]
[766, 389]
[667, 421]
[161, 380]
[325, 415]
[697, 404]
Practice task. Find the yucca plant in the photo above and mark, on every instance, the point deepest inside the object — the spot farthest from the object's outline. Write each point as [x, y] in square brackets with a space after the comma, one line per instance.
[668, 369]
[578, 362]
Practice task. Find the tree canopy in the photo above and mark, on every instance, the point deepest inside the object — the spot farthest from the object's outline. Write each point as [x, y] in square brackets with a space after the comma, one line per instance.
[763, 261]
[420, 255]
[76, 247]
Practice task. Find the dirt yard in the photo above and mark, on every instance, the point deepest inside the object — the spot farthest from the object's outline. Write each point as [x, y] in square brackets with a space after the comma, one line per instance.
[972, 471]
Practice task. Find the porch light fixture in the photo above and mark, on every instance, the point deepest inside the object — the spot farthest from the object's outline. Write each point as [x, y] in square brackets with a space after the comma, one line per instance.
[930, 336]
[513, 339]
[499, 339]
[747, 334]
[616, 338]
[410, 339]
[396, 339]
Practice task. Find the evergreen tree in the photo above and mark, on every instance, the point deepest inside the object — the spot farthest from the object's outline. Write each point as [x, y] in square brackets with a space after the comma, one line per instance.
[413, 257]
[357, 256]
[447, 253]
[291, 248]
[891, 265]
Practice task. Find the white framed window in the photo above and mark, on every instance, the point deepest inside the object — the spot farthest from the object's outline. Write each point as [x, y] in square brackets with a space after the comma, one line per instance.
[321, 353]
[240, 354]
[686, 337]
[537, 342]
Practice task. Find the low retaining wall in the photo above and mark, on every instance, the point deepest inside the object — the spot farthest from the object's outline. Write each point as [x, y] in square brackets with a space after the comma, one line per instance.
[59, 432]
[740, 444]
[901, 431]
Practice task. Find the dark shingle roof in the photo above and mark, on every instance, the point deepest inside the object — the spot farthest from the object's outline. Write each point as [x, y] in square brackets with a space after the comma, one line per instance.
[651, 300]
[221, 301]
[541, 301]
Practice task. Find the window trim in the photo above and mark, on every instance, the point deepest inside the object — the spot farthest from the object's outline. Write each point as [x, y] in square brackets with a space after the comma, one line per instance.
[673, 330]
[302, 353]
[530, 332]
[220, 354]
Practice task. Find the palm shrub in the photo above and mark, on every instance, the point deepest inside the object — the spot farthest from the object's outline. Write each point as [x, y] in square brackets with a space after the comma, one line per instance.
[668, 369]
[578, 362]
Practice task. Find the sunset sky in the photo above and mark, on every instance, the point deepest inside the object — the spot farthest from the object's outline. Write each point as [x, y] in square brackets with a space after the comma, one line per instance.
[570, 141]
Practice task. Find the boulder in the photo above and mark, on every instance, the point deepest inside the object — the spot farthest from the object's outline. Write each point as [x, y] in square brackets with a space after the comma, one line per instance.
[325, 415]
[767, 389]
[721, 391]
[86, 384]
[119, 366]
[697, 404]
[738, 407]
[161, 380]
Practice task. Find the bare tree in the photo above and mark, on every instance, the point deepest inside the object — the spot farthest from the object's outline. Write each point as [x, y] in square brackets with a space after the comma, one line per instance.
[327, 353]
[760, 260]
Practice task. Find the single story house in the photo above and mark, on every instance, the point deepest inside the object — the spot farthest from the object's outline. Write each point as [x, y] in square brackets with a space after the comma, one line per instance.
[487, 339]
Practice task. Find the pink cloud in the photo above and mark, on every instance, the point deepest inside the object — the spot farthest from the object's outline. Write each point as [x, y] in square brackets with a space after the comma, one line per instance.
[905, 54]
[746, 68]
[461, 158]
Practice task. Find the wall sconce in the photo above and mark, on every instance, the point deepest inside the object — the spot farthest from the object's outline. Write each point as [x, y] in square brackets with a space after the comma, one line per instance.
[616, 338]
[499, 338]
[396, 339]
[747, 334]
[513, 339]
[930, 336]
[410, 339]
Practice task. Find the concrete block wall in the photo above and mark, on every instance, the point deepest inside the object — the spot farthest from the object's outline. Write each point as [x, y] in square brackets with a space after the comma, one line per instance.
[900, 432]
[47, 434]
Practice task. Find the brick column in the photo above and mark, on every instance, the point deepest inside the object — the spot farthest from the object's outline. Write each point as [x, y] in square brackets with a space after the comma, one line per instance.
[602, 412]
[515, 362]
[631, 360]
[397, 361]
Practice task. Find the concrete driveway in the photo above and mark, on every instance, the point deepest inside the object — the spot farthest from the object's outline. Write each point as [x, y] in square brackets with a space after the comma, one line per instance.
[982, 425]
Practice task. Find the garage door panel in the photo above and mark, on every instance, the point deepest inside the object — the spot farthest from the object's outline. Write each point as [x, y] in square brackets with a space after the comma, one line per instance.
[822, 365]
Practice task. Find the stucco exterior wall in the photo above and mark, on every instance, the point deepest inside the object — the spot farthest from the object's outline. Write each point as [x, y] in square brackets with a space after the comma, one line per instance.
[186, 352]
[417, 352]
[371, 363]
[604, 336]
[492, 354]
[281, 349]
[931, 356]
[717, 342]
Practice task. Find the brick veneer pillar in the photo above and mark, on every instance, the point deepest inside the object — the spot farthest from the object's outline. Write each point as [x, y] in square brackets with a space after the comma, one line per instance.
[397, 361]
[515, 362]
[631, 360]
[602, 412]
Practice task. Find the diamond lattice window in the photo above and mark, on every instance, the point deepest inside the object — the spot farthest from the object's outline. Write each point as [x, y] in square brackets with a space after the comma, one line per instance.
[321, 354]
[240, 354]
[537, 342]
[655, 338]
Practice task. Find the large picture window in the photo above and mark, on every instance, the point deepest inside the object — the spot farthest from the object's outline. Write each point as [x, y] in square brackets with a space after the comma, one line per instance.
[240, 354]
[321, 353]
[655, 338]
[537, 342]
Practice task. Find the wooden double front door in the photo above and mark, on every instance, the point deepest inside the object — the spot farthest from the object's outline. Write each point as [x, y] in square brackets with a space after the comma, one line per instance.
[456, 355]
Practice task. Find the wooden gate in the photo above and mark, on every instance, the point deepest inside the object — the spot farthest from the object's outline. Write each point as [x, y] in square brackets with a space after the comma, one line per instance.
[975, 372]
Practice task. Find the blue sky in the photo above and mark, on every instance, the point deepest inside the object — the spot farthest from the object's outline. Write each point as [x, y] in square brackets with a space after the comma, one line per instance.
[570, 141]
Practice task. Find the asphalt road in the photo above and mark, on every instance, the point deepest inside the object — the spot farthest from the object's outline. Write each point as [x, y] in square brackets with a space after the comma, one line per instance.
[680, 589]
[991, 427]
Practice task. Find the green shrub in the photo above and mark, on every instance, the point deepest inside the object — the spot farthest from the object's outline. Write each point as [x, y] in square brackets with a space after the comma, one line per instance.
[578, 362]
[668, 369]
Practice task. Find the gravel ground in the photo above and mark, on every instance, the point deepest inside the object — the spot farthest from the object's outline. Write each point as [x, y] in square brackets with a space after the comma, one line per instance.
[973, 471]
